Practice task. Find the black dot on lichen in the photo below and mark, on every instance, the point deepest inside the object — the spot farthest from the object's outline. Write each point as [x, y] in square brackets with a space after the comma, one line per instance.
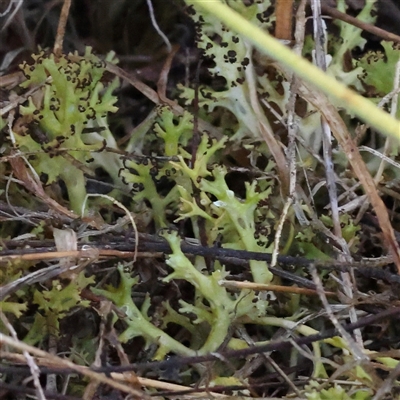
[44, 178]
[153, 171]
[245, 62]
[263, 17]
[231, 56]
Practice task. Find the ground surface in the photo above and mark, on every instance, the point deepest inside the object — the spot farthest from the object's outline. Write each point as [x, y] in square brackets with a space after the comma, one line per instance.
[164, 209]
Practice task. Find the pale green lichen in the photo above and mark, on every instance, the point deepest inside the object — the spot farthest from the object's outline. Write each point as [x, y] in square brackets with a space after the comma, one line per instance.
[137, 320]
[227, 215]
[314, 392]
[174, 132]
[232, 58]
[143, 177]
[144, 173]
[71, 96]
[214, 308]
[54, 304]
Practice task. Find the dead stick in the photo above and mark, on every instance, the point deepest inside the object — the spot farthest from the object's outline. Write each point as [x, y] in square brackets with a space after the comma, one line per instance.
[58, 43]
[359, 24]
[284, 19]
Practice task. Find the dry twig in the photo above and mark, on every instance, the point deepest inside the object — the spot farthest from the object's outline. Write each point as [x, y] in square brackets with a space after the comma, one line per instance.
[334, 13]
[58, 43]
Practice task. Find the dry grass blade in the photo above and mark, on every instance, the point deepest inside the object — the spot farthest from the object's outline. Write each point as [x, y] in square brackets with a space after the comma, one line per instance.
[29, 359]
[357, 351]
[156, 99]
[238, 285]
[244, 165]
[6, 340]
[144, 382]
[134, 81]
[266, 132]
[344, 139]
[35, 187]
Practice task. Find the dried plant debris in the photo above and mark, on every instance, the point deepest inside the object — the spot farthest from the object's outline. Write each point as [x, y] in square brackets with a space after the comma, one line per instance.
[186, 304]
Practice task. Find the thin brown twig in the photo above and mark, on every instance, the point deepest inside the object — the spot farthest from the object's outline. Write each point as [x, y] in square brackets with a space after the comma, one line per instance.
[274, 288]
[178, 361]
[353, 346]
[284, 19]
[152, 95]
[163, 79]
[388, 383]
[68, 364]
[132, 79]
[86, 254]
[58, 43]
[29, 359]
[334, 13]
[145, 382]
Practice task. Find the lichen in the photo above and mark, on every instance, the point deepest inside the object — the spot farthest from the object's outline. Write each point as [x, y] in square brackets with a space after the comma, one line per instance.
[70, 95]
